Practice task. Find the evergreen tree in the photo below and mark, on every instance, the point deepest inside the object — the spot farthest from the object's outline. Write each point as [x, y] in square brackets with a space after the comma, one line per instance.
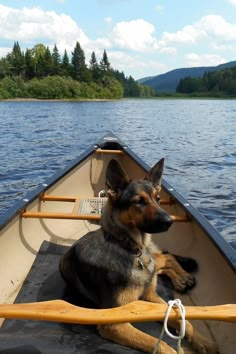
[80, 70]
[17, 60]
[94, 67]
[65, 65]
[29, 65]
[104, 63]
[56, 60]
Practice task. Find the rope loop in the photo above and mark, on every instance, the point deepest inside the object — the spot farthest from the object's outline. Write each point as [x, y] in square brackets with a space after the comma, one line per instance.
[173, 303]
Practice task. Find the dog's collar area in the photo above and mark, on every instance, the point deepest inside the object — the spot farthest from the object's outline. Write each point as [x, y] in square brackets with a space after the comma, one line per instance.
[139, 253]
[125, 243]
[140, 264]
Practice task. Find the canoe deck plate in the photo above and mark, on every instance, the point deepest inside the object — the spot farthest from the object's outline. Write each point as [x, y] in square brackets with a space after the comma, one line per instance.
[94, 206]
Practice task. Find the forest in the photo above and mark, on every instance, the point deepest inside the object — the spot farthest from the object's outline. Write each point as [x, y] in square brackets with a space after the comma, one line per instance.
[213, 84]
[42, 73]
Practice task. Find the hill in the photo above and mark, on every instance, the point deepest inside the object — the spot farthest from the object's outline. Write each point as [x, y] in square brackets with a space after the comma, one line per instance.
[168, 82]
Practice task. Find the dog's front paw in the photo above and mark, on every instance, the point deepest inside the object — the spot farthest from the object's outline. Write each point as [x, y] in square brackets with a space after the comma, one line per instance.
[203, 346]
[184, 281]
[164, 348]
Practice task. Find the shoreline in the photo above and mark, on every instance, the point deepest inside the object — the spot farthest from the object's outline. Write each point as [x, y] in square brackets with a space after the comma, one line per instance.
[114, 99]
[57, 100]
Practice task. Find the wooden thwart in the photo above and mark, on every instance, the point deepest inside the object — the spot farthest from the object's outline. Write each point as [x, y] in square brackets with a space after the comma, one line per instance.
[137, 311]
[73, 216]
[62, 198]
[110, 152]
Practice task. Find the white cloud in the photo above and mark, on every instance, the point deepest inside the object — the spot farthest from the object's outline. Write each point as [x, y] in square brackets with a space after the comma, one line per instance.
[134, 65]
[4, 51]
[189, 34]
[211, 27]
[217, 28]
[168, 50]
[29, 24]
[136, 35]
[194, 59]
[108, 19]
[233, 2]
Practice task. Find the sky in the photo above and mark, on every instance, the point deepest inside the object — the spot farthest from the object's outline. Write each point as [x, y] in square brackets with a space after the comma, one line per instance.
[141, 37]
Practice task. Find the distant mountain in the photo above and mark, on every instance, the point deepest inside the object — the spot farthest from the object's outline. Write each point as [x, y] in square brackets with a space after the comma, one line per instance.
[141, 81]
[168, 82]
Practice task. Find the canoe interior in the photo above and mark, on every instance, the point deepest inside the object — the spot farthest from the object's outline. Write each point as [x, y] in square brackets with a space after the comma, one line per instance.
[21, 239]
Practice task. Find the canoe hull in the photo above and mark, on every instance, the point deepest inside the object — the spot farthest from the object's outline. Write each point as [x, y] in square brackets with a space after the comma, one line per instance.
[22, 236]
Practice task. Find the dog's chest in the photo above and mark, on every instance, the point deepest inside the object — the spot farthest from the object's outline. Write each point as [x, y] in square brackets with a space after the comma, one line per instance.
[143, 268]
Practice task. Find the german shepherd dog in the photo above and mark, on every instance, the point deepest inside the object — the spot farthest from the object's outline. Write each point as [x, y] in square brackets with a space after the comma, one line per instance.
[119, 263]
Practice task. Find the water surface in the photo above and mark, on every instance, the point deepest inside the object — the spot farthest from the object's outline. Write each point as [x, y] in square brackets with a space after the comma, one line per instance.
[196, 137]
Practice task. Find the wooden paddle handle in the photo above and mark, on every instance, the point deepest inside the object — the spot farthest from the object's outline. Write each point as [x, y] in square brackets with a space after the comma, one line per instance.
[137, 311]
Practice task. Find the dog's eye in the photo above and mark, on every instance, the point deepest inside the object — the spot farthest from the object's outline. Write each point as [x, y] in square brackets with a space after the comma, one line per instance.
[139, 200]
[158, 198]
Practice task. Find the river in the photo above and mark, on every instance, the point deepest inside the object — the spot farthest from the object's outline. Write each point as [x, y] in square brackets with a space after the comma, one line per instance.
[196, 137]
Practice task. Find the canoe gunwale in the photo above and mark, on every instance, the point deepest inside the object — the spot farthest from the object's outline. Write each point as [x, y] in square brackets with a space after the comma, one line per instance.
[110, 141]
[221, 244]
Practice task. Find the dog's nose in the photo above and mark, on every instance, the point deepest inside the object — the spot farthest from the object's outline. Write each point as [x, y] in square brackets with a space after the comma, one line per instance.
[166, 220]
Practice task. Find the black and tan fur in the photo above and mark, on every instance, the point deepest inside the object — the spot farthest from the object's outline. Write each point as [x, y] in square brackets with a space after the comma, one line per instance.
[119, 262]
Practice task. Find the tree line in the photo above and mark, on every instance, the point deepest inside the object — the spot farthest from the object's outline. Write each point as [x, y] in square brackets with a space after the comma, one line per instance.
[217, 83]
[43, 73]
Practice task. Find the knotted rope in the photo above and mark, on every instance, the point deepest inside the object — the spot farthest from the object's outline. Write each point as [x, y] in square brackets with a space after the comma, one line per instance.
[173, 303]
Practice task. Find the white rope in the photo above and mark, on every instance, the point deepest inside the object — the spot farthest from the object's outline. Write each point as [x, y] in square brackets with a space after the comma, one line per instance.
[173, 303]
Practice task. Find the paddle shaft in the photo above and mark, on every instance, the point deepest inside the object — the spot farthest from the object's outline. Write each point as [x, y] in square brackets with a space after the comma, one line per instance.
[137, 311]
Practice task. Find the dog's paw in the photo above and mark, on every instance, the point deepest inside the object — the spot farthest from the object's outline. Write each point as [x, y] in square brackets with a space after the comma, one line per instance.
[188, 264]
[202, 345]
[164, 348]
[184, 281]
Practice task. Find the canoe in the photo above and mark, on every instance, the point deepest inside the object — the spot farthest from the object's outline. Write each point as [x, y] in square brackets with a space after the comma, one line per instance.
[38, 229]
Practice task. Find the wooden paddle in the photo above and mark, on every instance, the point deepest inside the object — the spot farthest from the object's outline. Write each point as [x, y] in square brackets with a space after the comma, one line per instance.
[137, 311]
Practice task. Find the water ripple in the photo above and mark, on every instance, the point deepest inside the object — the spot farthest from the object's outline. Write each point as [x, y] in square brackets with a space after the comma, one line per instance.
[196, 137]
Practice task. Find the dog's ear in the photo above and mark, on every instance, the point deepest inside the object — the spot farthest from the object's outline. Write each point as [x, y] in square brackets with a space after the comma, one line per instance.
[155, 174]
[116, 179]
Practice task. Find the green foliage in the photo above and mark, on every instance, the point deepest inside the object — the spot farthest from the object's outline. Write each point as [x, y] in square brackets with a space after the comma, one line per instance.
[43, 74]
[216, 83]
[13, 87]
[104, 64]
[80, 70]
[54, 87]
[56, 60]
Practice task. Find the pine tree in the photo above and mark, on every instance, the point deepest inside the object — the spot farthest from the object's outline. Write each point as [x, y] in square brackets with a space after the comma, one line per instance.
[94, 67]
[56, 60]
[47, 63]
[17, 60]
[29, 65]
[104, 63]
[65, 65]
[80, 70]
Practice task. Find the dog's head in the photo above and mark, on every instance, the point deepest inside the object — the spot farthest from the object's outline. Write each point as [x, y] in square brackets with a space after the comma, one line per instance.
[136, 202]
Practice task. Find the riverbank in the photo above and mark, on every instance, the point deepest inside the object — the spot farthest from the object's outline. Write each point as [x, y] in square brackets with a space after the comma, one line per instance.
[58, 100]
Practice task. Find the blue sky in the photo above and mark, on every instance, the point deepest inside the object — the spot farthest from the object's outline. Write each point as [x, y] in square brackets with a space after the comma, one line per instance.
[141, 37]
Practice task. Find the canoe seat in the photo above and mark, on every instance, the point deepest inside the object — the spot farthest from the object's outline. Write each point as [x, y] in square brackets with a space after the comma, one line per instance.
[85, 209]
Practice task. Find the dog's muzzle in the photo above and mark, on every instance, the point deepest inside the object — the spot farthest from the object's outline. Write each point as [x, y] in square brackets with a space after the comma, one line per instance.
[160, 223]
